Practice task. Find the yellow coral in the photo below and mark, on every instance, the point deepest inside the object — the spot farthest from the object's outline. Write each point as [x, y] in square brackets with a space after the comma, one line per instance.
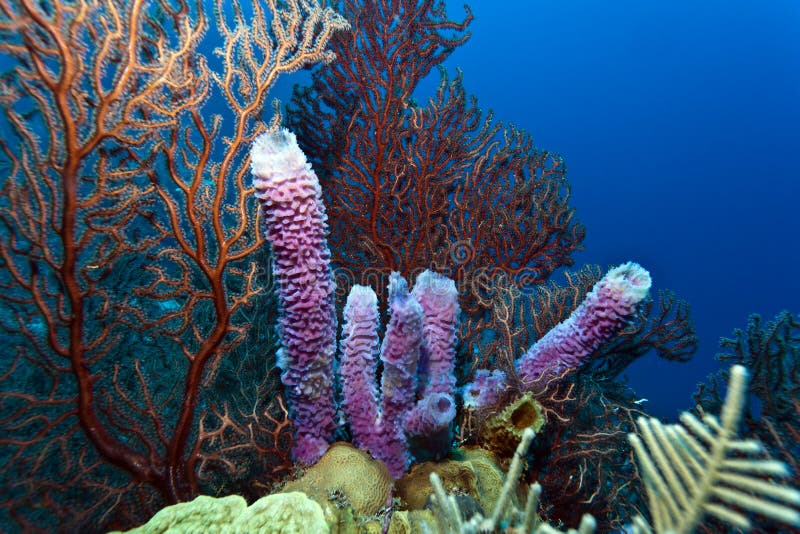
[412, 522]
[475, 473]
[283, 513]
[414, 487]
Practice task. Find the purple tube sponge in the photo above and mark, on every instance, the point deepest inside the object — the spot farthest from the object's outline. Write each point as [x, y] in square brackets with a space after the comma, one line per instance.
[296, 227]
[358, 366]
[431, 415]
[486, 389]
[438, 297]
[413, 404]
[399, 354]
[604, 311]
[429, 421]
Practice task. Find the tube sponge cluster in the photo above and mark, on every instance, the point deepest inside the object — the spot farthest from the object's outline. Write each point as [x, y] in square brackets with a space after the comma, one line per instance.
[416, 397]
[604, 311]
[296, 227]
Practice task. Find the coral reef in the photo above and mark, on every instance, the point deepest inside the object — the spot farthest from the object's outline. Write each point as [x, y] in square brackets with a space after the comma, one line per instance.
[691, 470]
[582, 459]
[144, 369]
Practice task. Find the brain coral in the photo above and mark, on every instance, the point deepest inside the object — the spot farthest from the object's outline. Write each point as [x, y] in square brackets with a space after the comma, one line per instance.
[283, 513]
[344, 470]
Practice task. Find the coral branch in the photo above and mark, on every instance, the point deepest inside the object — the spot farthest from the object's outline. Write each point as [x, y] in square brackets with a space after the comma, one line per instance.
[437, 186]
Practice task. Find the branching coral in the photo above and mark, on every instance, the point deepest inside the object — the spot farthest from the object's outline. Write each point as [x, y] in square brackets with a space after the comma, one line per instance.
[771, 351]
[439, 186]
[128, 240]
[701, 468]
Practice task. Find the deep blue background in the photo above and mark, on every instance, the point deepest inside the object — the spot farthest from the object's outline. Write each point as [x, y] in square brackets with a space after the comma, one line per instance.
[680, 124]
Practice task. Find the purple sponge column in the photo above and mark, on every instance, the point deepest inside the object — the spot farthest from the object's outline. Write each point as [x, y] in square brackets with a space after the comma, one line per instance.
[359, 365]
[431, 416]
[604, 311]
[399, 354]
[400, 350]
[438, 297]
[297, 228]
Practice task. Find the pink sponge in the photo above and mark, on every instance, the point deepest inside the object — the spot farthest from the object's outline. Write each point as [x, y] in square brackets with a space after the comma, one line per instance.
[604, 311]
[291, 200]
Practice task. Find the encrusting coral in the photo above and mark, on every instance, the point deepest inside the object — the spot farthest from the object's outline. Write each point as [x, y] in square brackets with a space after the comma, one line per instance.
[284, 513]
[472, 473]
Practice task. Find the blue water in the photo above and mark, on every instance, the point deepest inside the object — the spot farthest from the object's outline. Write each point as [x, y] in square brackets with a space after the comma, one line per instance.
[680, 125]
